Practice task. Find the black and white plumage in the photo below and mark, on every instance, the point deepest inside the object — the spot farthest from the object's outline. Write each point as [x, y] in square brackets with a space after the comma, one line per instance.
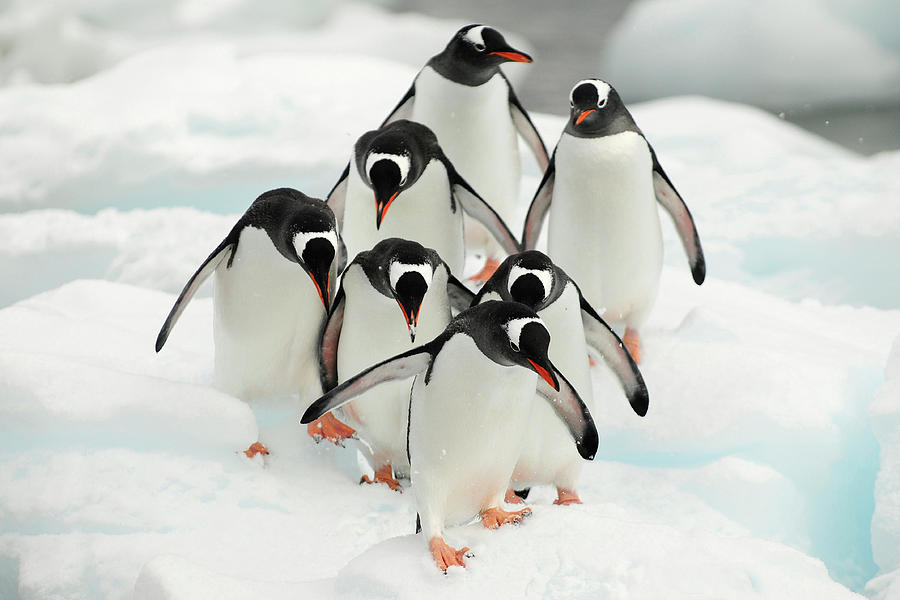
[601, 189]
[532, 279]
[399, 183]
[388, 295]
[470, 403]
[462, 95]
[274, 275]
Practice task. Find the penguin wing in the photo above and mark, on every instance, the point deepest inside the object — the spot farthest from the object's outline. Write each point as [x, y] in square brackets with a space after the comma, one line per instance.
[609, 346]
[460, 296]
[526, 128]
[539, 206]
[338, 195]
[194, 283]
[403, 110]
[401, 366]
[328, 342]
[571, 409]
[480, 210]
[684, 222]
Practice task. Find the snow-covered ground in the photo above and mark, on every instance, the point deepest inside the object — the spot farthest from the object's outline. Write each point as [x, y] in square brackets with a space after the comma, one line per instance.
[766, 467]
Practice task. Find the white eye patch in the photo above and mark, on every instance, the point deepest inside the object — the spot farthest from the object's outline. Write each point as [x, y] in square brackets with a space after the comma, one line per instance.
[544, 277]
[401, 160]
[601, 86]
[304, 237]
[475, 36]
[397, 269]
[514, 328]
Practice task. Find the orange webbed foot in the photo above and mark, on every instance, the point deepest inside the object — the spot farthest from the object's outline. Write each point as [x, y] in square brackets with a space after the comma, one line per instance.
[632, 343]
[256, 448]
[566, 497]
[512, 498]
[490, 265]
[446, 555]
[327, 427]
[494, 517]
[383, 475]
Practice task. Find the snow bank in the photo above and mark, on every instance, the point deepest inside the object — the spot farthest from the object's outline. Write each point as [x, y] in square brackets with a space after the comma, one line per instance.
[770, 53]
[885, 415]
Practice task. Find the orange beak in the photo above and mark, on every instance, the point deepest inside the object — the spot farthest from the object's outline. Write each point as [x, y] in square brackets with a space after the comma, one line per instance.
[513, 56]
[380, 210]
[584, 115]
[545, 374]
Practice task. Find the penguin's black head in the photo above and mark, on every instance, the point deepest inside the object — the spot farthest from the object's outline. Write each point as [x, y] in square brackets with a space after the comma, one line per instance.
[316, 250]
[474, 54]
[387, 174]
[531, 278]
[529, 343]
[410, 277]
[594, 104]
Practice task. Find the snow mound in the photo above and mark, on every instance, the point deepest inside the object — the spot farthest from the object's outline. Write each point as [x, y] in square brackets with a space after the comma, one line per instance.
[765, 52]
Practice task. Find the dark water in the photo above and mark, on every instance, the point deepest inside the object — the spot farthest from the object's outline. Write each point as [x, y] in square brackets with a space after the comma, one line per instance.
[568, 36]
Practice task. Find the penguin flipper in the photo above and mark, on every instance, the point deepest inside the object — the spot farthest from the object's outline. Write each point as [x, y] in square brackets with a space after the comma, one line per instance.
[193, 284]
[480, 210]
[609, 346]
[571, 409]
[527, 130]
[401, 366]
[338, 195]
[328, 342]
[403, 110]
[668, 196]
[539, 206]
[460, 296]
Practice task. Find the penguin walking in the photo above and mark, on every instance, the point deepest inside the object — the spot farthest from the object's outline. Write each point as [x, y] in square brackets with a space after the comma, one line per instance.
[274, 274]
[388, 295]
[599, 188]
[467, 101]
[470, 403]
[532, 279]
[417, 195]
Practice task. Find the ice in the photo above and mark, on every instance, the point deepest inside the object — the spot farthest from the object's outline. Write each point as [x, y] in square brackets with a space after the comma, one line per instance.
[770, 53]
[885, 414]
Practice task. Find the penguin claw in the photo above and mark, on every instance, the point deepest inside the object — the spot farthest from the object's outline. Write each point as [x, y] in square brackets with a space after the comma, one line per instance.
[566, 497]
[384, 475]
[446, 556]
[512, 498]
[490, 265]
[329, 427]
[256, 448]
[632, 342]
[494, 517]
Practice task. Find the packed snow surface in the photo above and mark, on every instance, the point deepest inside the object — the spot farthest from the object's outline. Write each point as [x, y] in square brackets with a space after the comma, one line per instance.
[765, 468]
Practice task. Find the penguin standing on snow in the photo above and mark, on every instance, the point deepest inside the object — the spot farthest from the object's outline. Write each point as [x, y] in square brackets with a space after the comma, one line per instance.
[465, 99]
[274, 275]
[399, 183]
[532, 279]
[390, 294]
[604, 225]
[470, 403]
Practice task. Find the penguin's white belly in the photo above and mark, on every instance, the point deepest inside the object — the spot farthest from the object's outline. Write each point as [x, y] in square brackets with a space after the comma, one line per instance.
[604, 224]
[421, 213]
[373, 330]
[475, 129]
[266, 323]
[549, 455]
[466, 433]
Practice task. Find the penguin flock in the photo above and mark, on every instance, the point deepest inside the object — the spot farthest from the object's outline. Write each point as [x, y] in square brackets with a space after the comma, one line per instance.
[473, 395]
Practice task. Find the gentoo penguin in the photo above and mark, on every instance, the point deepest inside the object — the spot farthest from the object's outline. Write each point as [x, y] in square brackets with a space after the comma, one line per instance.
[464, 97]
[470, 403]
[388, 295]
[399, 183]
[274, 275]
[604, 226]
[532, 279]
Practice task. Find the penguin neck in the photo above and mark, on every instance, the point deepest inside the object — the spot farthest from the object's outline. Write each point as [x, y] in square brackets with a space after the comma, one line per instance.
[458, 71]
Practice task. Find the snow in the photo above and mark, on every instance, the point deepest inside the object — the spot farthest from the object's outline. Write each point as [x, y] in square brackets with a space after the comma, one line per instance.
[769, 53]
[765, 468]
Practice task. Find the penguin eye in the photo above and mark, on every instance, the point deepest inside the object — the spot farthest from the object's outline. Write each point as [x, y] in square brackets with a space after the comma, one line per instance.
[513, 345]
[479, 47]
